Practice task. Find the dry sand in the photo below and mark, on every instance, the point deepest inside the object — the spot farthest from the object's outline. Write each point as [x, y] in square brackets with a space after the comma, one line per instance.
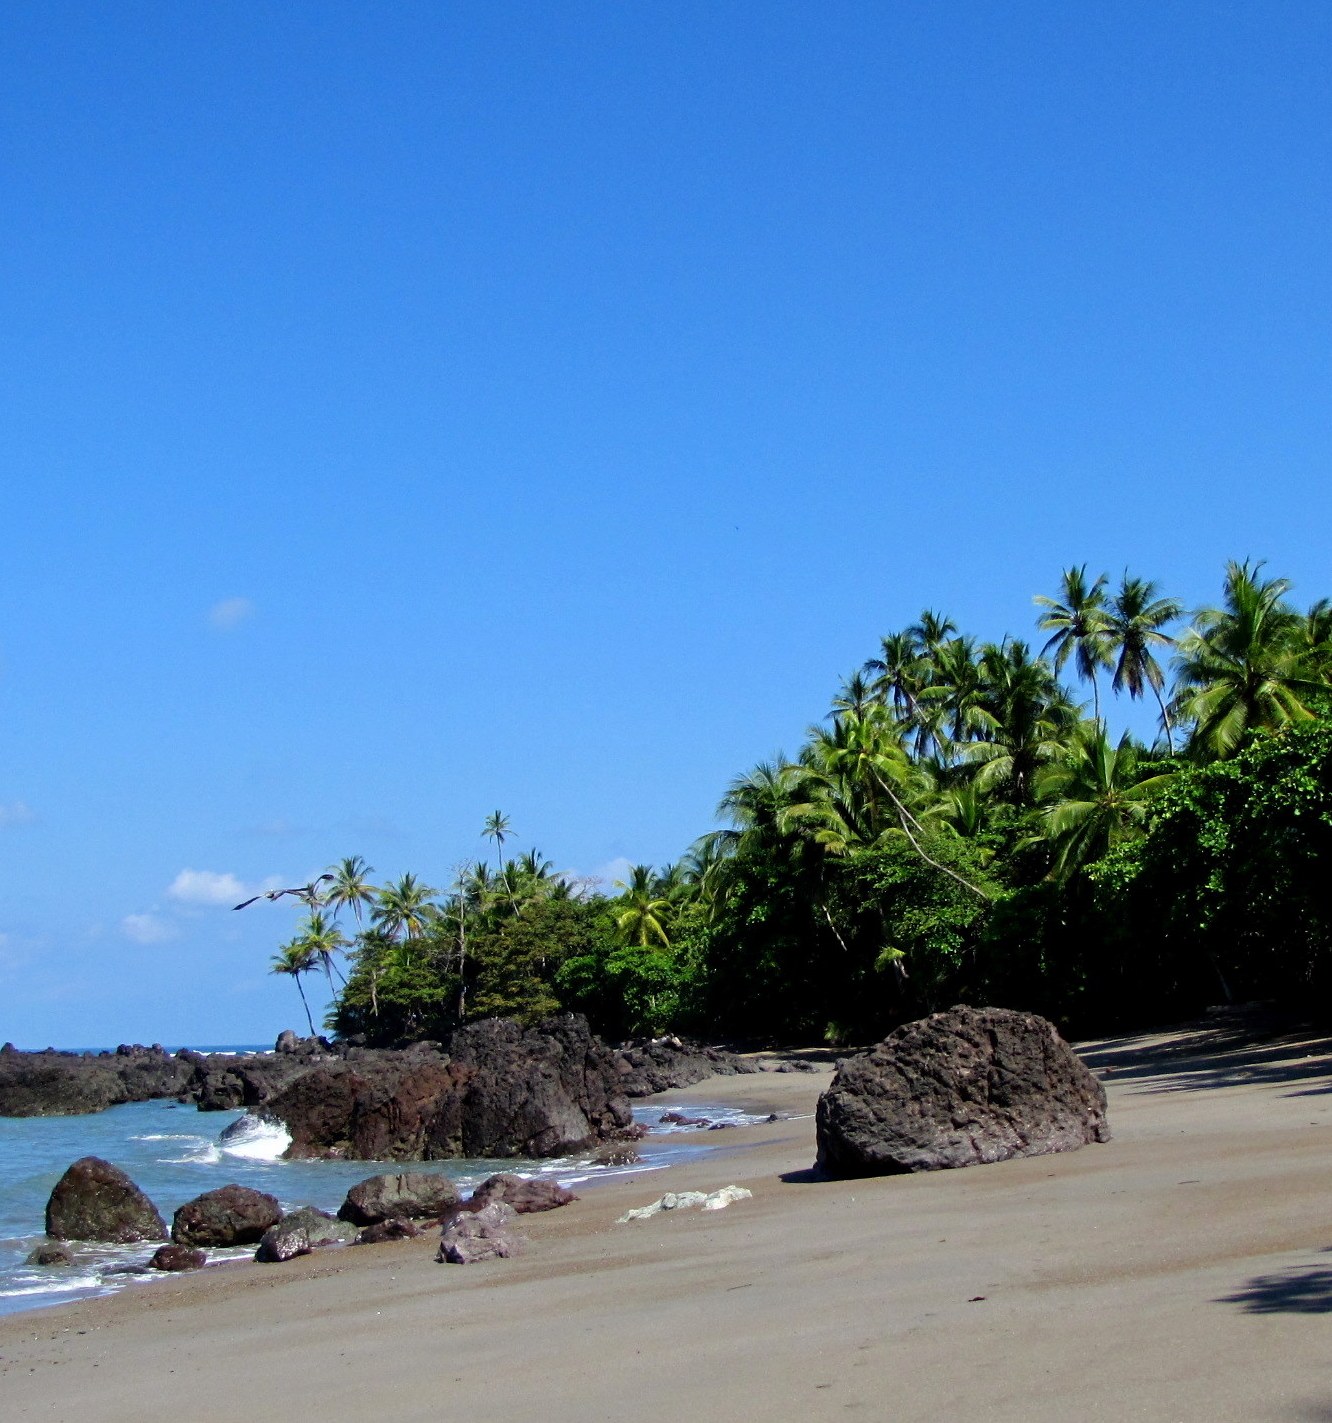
[1176, 1273]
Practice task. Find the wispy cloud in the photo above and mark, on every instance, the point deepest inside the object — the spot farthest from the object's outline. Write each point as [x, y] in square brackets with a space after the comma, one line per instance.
[14, 814]
[146, 929]
[230, 613]
[206, 887]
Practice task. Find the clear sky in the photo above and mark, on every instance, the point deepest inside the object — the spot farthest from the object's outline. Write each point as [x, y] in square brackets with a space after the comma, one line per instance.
[411, 410]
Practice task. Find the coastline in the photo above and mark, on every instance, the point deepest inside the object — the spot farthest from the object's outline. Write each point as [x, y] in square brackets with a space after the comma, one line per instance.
[1174, 1273]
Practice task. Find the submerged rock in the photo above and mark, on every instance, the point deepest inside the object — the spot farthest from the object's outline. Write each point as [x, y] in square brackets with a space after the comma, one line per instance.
[50, 1255]
[961, 1088]
[414, 1195]
[177, 1257]
[230, 1215]
[94, 1200]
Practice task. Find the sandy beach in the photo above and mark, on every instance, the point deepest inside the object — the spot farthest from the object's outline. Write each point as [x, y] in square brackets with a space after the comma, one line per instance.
[1178, 1272]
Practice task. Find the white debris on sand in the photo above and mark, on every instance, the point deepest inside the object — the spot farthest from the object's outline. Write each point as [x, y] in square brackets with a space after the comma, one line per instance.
[678, 1200]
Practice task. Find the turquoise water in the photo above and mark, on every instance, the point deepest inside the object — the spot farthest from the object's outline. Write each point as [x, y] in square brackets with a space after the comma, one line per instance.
[175, 1152]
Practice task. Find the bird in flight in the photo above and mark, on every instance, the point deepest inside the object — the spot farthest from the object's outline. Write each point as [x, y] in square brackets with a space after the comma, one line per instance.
[307, 893]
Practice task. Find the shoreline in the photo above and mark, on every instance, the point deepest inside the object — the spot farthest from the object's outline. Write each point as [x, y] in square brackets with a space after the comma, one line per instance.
[1174, 1273]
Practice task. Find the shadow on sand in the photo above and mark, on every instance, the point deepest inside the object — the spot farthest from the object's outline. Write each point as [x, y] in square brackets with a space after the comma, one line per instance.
[1237, 1049]
[1303, 1290]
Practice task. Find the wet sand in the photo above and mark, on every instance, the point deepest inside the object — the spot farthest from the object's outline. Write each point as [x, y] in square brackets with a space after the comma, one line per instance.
[1179, 1272]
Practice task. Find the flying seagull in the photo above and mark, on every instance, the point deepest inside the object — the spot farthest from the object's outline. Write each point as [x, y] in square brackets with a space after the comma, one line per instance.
[309, 893]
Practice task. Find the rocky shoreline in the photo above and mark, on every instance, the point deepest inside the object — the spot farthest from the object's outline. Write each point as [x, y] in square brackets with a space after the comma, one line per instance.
[496, 1089]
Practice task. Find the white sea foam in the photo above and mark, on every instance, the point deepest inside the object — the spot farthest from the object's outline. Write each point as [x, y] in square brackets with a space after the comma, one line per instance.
[254, 1139]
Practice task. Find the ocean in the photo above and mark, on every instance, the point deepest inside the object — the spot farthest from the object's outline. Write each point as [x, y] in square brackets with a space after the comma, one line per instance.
[176, 1152]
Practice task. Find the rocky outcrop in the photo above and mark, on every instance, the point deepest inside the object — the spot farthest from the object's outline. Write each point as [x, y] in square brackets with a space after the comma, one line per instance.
[230, 1215]
[469, 1236]
[301, 1232]
[94, 1200]
[58, 1084]
[412, 1195]
[177, 1257]
[961, 1088]
[503, 1090]
[525, 1194]
[665, 1064]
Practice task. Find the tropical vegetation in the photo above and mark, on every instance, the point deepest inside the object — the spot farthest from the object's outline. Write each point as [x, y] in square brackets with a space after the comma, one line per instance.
[962, 824]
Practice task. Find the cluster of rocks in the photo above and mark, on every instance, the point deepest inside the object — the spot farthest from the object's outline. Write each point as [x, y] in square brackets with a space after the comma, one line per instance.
[97, 1202]
[960, 1088]
[669, 1063]
[499, 1090]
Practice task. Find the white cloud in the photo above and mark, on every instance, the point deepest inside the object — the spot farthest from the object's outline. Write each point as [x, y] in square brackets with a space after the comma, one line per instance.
[15, 813]
[146, 929]
[230, 613]
[206, 887]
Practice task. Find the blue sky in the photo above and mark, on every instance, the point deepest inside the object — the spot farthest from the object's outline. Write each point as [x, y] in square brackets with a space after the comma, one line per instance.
[412, 410]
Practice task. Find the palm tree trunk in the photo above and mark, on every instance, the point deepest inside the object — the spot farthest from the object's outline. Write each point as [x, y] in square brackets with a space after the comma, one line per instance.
[1165, 718]
[300, 988]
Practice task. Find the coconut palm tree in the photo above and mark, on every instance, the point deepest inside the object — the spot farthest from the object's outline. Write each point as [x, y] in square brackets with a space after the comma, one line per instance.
[1099, 795]
[1134, 619]
[1243, 667]
[351, 886]
[294, 959]
[1023, 718]
[898, 670]
[1077, 623]
[498, 828]
[321, 937]
[643, 913]
[403, 908]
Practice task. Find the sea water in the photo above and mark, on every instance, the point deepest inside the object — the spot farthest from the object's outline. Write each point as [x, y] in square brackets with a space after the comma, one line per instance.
[175, 1152]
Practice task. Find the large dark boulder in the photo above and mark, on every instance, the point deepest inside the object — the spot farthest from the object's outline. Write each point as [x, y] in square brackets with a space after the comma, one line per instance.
[413, 1195]
[502, 1090]
[230, 1215]
[94, 1200]
[961, 1088]
[666, 1064]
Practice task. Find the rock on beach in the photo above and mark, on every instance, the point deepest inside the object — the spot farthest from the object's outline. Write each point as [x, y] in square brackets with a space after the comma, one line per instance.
[960, 1088]
[410, 1195]
[230, 1215]
[95, 1200]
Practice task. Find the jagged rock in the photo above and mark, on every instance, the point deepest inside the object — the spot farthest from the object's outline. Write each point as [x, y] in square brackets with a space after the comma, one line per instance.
[94, 1200]
[177, 1257]
[665, 1064]
[57, 1084]
[960, 1088]
[230, 1215]
[472, 1235]
[396, 1228]
[50, 1255]
[416, 1195]
[300, 1232]
[504, 1090]
[525, 1194]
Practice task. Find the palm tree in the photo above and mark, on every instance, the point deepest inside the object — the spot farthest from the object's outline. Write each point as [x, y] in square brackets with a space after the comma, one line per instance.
[1133, 628]
[1078, 627]
[1099, 797]
[497, 828]
[899, 672]
[322, 939]
[351, 886]
[643, 917]
[403, 908]
[294, 959]
[1023, 717]
[1242, 667]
